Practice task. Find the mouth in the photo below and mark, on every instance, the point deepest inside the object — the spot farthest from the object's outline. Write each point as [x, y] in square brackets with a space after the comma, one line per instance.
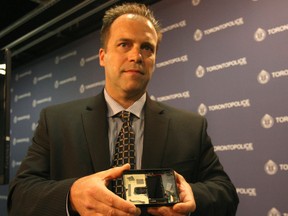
[134, 71]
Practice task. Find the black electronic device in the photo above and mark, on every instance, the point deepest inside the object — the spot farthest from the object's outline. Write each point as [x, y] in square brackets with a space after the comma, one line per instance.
[151, 187]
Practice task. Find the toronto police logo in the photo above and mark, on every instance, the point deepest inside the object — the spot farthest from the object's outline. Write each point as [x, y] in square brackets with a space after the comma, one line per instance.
[196, 2]
[152, 97]
[267, 121]
[14, 141]
[271, 167]
[16, 77]
[260, 35]
[263, 77]
[35, 80]
[82, 89]
[200, 71]
[82, 62]
[274, 212]
[198, 35]
[16, 98]
[15, 120]
[34, 126]
[57, 60]
[34, 103]
[202, 109]
[56, 84]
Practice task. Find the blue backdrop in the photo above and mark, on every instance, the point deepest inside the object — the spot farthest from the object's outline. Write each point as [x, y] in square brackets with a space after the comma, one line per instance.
[224, 59]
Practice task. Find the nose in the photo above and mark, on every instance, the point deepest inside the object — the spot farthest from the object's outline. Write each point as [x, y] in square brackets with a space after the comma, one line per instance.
[135, 55]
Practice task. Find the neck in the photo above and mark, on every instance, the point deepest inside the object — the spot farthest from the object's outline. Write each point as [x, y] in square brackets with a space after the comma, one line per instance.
[126, 100]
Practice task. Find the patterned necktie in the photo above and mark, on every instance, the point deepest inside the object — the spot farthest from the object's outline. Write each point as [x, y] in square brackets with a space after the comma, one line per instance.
[124, 148]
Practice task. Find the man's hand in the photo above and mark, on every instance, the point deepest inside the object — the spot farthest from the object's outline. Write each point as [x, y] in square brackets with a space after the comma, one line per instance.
[187, 202]
[90, 196]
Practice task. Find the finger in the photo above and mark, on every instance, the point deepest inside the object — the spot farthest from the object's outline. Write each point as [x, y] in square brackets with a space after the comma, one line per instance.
[182, 184]
[183, 208]
[163, 211]
[179, 178]
[104, 209]
[114, 172]
[153, 211]
[111, 200]
[187, 203]
[103, 201]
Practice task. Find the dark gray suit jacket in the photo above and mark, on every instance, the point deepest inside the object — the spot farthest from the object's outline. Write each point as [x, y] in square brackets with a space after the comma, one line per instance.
[71, 141]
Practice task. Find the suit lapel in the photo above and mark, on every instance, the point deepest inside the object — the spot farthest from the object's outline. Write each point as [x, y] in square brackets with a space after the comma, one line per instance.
[96, 131]
[155, 135]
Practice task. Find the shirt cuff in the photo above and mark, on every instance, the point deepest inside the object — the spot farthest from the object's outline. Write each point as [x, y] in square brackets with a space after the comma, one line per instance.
[69, 210]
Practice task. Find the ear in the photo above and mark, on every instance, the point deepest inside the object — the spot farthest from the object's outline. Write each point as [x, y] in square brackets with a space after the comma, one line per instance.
[101, 57]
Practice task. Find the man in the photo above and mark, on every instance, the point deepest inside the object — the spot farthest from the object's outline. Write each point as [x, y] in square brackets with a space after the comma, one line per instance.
[68, 167]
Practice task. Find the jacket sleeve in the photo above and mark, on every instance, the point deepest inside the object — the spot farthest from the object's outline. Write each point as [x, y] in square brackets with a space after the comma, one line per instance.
[33, 192]
[213, 190]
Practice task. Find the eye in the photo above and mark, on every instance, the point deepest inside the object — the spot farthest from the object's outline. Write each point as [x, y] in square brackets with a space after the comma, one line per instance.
[148, 47]
[123, 44]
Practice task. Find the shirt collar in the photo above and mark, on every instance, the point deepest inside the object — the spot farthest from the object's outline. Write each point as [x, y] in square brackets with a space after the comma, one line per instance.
[114, 107]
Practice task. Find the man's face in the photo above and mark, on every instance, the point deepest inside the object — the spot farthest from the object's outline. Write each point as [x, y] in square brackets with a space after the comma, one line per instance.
[129, 56]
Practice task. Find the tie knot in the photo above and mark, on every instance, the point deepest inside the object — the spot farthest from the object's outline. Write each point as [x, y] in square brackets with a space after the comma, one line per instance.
[125, 116]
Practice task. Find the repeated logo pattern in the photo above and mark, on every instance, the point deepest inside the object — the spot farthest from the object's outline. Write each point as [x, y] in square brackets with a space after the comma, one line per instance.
[222, 59]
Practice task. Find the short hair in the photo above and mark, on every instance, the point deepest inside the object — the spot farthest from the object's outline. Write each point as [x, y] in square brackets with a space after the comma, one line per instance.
[127, 8]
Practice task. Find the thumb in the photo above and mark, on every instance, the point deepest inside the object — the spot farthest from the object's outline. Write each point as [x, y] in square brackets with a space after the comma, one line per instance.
[114, 172]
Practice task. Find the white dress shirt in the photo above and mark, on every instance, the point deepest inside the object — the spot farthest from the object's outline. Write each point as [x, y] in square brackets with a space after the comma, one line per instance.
[115, 124]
